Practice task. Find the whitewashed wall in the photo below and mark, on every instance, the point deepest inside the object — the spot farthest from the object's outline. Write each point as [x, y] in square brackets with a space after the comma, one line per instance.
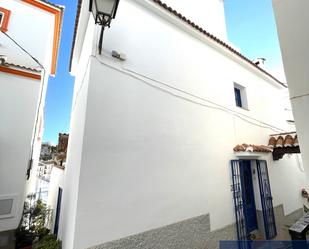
[30, 32]
[209, 14]
[292, 19]
[31, 28]
[153, 155]
[18, 101]
[75, 147]
[56, 182]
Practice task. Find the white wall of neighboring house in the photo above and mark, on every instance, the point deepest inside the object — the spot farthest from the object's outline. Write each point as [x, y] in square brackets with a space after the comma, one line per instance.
[151, 137]
[37, 21]
[292, 19]
[56, 182]
[16, 126]
[33, 29]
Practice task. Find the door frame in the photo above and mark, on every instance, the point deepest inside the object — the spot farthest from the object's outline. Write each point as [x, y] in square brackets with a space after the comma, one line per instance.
[266, 199]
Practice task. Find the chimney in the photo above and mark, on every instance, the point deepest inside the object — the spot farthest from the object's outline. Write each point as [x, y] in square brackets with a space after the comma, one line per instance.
[260, 62]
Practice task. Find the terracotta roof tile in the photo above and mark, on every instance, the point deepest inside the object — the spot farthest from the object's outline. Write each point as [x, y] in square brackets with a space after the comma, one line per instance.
[272, 142]
[52, 4]
[296, 141]
[279, 142]
[288, 141]
[283, 140]
[252, 148]
[189, 22]
[22, 67]
[79, 6]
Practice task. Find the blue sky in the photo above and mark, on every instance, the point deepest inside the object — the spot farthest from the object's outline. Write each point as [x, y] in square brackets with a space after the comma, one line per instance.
[250, 26]
[60, 88]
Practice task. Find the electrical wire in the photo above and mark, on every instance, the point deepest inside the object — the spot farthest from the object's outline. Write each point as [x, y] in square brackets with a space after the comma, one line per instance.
[220, 107]
[216, 106]
[32, 57]
[39, 103]
[300, 96]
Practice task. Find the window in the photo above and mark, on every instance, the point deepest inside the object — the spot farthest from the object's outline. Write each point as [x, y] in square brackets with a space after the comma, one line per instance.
[4, 19]
[7, 206]
[237, 97]
[240, 96]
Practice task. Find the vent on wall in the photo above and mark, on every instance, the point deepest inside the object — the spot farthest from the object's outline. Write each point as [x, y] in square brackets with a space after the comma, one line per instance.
[6, 206]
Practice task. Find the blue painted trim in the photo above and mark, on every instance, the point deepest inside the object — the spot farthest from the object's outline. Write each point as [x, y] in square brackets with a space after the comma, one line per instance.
[233, 162]
[263, 201]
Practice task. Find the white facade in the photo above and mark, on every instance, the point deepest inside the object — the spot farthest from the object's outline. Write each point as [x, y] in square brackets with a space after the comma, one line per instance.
[35, 26]
[56, 182]
[151, 137]
[292, 19]
[15, 142]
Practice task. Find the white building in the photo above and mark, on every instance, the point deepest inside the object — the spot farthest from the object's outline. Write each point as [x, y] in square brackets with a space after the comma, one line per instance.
[292, 19]
[152, 137]
[54, 200]
[29, 42]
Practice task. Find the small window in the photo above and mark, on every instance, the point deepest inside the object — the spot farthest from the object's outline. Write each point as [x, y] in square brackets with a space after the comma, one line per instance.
[240, 96]
[237, 97]
[7, 206]
[4, 19]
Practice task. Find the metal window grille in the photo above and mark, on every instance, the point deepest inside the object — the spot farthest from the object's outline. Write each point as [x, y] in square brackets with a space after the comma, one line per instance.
[239, 206]
[266, 199]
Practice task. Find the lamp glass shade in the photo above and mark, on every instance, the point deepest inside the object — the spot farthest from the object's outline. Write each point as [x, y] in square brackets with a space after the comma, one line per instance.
[105, 6]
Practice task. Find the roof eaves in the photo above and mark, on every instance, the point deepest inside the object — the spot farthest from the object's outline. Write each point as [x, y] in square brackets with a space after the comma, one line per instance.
[52, 4]
[193, 25]
[59, 37]
[79, 5]
[31, 69]
[214, 38]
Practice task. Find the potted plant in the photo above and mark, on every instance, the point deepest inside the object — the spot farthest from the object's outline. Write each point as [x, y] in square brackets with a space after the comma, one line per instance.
[34, 221]
[49, 241]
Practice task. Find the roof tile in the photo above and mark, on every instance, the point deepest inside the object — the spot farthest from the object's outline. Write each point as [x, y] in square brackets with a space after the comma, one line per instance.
[283, 140]
[252, 148]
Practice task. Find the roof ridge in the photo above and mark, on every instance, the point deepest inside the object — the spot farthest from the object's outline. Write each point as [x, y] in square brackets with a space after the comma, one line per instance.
[51, 4]
[8, 64]
[192, 24]
[214, 38]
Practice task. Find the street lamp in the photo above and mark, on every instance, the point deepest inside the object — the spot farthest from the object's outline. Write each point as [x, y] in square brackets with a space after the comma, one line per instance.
[103, 12]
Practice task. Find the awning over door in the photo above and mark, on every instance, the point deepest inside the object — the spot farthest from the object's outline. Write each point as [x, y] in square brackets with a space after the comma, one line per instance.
[278, 145]
[283, 143]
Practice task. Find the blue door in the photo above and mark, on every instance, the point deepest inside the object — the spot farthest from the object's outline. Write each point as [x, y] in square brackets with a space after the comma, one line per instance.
[248, 195]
